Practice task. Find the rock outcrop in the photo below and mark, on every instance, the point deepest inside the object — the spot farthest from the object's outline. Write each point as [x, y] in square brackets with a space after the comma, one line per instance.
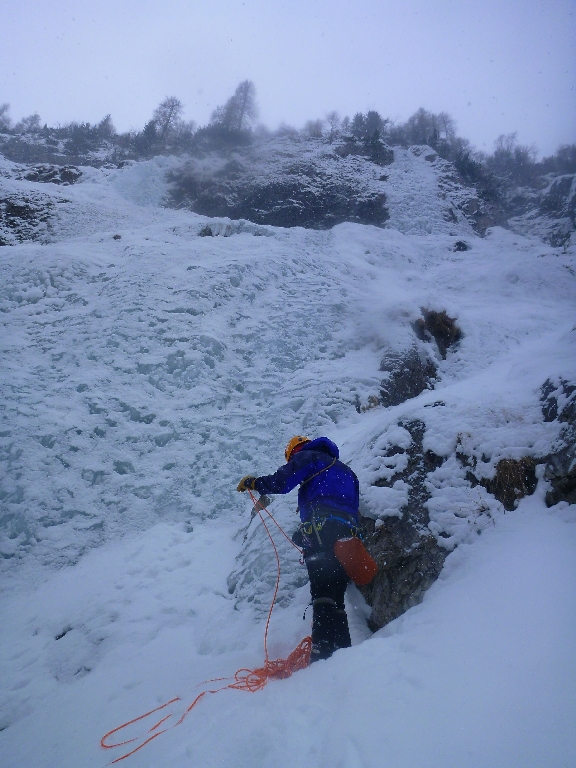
[25, 217]
[409, 557]
[408, 375]
[407, 553]
[549, 211]
[283, 183]
[440, 328]
[559, 403]
[559, 198]
[52, 174]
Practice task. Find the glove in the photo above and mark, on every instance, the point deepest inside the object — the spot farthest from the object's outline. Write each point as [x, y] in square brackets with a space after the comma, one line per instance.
[247, 483]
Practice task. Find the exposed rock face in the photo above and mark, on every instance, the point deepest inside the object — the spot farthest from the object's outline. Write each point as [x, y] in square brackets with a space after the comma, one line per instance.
[53, 174]
[375, 150]
[289, 180]
[481, 218]
[414, 371]
[25, 217]
[22, 149]
[561, 471]
[438, 327]
[559, 204]
[408, 375]
[284, 184]
[408, 556]
[559, 402]
[559, 199]
[548, 212]
[463, 198]
[319, 203]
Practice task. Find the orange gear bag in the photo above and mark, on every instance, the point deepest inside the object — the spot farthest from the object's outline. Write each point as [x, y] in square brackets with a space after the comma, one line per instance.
[356, 560]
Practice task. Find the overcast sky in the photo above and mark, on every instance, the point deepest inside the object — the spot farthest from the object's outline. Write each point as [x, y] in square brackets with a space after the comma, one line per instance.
[495, 65]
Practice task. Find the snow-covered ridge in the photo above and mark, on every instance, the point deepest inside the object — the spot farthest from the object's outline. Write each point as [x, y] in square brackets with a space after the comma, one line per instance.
[279, 182]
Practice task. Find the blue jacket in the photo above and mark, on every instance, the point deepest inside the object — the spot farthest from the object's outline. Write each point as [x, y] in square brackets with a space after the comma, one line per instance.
[333, 489]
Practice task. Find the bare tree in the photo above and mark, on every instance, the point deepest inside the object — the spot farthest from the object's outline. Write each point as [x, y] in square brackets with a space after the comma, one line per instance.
[314, 129]
[446, 127]
[166, 117]
[30, 124]
[5, 119]
[511, 160]
[247, 110]
[333, 120]
[287, 130]
[240, 110]
[505, 143]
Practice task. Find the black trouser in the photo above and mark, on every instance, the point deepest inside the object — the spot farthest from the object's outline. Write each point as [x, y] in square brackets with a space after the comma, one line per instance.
[328, 582]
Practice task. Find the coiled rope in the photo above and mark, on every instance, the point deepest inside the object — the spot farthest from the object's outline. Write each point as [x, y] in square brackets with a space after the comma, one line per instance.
[250, 680]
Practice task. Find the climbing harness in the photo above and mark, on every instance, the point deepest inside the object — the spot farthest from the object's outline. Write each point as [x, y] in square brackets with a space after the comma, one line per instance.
[308, 527]
[317, 532]
[350, 551]
[250, 680]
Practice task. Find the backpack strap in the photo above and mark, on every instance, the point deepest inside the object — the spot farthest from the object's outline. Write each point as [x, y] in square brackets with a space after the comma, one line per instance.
[318, 473]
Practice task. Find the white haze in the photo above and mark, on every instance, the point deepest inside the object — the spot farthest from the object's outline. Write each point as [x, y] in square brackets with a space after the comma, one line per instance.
[495, 67]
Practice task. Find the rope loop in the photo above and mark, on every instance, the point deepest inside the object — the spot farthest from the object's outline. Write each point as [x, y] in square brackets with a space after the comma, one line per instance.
[249, 680]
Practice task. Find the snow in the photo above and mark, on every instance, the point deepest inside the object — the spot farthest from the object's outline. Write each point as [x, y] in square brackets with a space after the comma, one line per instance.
[482, 673]
[143, 376]
[423, 196]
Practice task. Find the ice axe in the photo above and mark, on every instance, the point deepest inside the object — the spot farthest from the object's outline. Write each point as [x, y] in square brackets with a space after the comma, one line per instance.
[262, 502]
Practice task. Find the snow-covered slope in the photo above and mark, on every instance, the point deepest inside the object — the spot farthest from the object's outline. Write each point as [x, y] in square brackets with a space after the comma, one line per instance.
[146, 368]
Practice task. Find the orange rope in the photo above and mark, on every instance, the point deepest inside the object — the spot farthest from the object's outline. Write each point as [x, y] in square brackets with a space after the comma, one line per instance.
[261, 508]
[250, 680]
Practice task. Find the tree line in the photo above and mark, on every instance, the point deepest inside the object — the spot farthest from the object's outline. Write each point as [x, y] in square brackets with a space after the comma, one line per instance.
[234, 124]
[166, 130]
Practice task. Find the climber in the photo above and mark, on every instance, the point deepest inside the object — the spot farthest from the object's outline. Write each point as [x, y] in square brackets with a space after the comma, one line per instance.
[328, 500]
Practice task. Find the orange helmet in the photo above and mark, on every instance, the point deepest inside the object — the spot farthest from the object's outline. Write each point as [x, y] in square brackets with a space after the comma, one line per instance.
[296, 441]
